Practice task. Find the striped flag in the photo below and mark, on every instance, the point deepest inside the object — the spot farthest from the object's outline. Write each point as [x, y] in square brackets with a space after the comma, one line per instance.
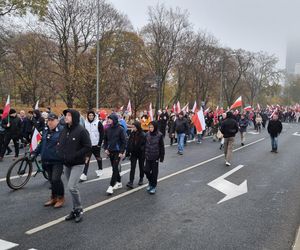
[237, 103]
[199, 121]
[36, 138]
[6, 108]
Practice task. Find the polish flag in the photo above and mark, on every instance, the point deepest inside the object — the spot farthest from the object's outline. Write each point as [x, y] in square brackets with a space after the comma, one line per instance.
[199, 121]
[121, 109]
[129, 110]
[150, 112]
[36, 107]
[258, 106]
[166, 108]
[6, 108]
[174, 108]
[237, 103]
[206, 111]
[178, 109]
[36, 138]
[186, 108]
[274, 112]
[194, 107]
[248, 108]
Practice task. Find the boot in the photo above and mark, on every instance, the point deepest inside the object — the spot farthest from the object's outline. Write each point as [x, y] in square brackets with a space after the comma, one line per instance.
[59, 202]
[50, 202]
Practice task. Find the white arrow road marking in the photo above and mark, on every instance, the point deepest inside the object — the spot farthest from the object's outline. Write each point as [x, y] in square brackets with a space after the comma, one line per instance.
[228, 188]
[7, 245]
[297, 134]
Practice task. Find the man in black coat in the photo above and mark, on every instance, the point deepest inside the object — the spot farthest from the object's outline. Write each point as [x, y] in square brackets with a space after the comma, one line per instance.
[274, 129]
[73, 146]
[229, 128]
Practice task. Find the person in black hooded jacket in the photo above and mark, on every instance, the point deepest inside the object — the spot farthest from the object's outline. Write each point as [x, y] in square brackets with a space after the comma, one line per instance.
[154, 152]
[114, 146]
[73, 145]
[38, 121]
[136, 150]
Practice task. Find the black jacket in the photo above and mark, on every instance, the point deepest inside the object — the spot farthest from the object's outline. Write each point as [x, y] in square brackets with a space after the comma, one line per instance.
[181, 126]
[114, 137]
[74, 142]
[38, 121]
[229, 127]
[155, 148]
[274, 128]
[14, 128]
[137, 141]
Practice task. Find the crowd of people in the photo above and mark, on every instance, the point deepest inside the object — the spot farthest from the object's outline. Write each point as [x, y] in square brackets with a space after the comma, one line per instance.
[69, 140]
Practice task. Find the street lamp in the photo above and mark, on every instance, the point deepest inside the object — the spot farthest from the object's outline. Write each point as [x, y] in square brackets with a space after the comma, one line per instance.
[98, 56]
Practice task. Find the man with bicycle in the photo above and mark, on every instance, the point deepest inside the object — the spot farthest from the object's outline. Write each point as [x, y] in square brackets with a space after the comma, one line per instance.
[51, 161]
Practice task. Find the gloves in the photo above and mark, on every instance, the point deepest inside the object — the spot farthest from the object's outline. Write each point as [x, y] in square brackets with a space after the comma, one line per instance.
[161, 160]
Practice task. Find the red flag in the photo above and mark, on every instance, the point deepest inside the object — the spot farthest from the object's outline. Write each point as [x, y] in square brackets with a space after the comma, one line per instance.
[178, 109]
[36, 138]
[6, 108]
[174, 108]
[199, 121]
[237, 103]
[129, 110]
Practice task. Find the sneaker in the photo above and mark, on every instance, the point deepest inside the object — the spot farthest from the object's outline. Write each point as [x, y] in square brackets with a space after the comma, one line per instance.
[71, 216]
[83, 177]
[78, 215]
[118, 185]
[148, 188]
[140, 183]
[228, 164]
[110, 190]
[242, 144]
[199, 142]
[129, 184]
[180, 153]
[8, 152]
[152, 190]
[99, 172]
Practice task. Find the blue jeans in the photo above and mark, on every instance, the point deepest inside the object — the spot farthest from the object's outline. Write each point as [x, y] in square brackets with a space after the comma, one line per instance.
[274, 142]
[180, 140]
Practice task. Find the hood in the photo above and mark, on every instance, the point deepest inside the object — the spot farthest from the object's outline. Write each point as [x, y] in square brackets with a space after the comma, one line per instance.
[114, 117]
[75, 116]
[229, 114]
[138, 126]
[155, 125]
[37, 113]
[90, 112]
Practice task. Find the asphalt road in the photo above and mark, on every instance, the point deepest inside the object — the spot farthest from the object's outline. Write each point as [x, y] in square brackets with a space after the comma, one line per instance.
[185, 213]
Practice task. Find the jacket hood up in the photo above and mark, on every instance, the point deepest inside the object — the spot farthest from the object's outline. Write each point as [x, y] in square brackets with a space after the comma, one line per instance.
[114, 118]
[75, 116]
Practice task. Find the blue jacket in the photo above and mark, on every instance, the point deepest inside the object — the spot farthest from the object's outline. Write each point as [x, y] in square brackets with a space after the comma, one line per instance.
[48, 146]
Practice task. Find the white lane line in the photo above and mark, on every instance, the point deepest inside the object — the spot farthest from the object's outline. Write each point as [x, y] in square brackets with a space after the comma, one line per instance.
[99, 204]
[16, 177]
[7, 245]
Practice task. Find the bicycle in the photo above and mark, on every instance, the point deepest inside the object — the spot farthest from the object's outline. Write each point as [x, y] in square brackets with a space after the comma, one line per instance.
[20, 171]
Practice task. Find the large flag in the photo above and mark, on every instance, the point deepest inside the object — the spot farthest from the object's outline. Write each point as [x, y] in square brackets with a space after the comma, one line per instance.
[150, 112]
[129, 110]
[36, 138]
[6, 108]
[36, 107]
[194, 107]
[199, 121]
[237, 103]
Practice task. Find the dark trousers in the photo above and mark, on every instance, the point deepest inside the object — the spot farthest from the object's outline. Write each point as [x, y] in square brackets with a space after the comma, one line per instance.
[7, 140]
[151, 171]
[114, 160]
[54, 172]
[133, 161]
[1, 143]
[96, 153]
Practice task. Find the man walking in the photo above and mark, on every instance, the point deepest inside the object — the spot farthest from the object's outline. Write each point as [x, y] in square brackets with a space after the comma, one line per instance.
[74, 144]
[114, 146]
[181, 127]
[274, 129]
[243, 124]
[229, 128]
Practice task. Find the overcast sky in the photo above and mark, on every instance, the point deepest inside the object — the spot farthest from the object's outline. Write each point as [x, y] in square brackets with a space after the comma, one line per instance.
[254, 25]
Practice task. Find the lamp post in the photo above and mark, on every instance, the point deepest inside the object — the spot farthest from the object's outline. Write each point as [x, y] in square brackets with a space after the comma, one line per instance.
[98, 57]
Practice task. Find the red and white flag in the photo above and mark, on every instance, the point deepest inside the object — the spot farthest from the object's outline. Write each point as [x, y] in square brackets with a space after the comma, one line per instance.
[237, 103]
[194, 107]
[258, 106]
[166, 108]
[129, 110]
[174, 108]
[248, 108]
[199, 121]
[178, 109]
[274, 112]
[121, 109]
[186, 108]
[206, 111]
[6, 108]
[36, 138]
[150, 112]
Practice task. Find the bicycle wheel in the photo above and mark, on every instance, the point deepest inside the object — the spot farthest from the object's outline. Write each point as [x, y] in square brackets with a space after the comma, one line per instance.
[45, 174]
[19, 173]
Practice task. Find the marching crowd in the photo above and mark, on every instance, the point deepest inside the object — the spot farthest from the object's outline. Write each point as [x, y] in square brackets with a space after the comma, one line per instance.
[68, 142]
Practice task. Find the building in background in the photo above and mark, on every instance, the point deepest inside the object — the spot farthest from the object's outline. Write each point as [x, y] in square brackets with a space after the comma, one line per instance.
[293, 56]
